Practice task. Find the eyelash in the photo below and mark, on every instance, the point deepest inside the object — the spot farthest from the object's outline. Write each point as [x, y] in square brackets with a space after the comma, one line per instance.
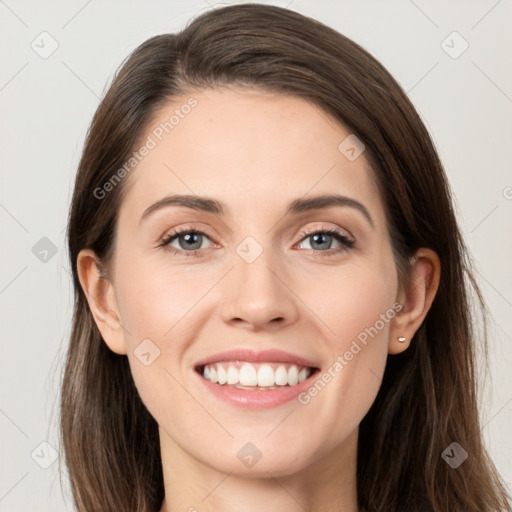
[346, 242]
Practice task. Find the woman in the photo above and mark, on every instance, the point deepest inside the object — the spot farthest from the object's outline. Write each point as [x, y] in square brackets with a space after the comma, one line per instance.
[219, 359]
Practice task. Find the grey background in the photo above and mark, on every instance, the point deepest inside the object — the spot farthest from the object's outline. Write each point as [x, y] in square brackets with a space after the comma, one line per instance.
[46, 107]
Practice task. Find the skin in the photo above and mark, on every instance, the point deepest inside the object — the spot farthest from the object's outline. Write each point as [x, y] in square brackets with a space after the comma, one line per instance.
[255, 152]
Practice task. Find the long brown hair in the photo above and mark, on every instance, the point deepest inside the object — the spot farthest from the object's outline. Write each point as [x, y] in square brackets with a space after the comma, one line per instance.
[428, 397]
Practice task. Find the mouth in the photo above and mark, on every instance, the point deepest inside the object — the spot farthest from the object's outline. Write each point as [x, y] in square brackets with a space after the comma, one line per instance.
[255, 376]
[255, 380]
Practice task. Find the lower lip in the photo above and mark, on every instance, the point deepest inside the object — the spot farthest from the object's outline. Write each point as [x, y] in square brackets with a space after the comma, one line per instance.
[256, 399]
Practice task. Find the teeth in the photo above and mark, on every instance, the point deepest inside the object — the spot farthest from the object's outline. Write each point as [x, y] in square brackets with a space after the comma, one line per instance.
[293, 375]
[281, 376]
[232, 375]
[265, 376]
[221, 374]
[303, 375]
[247, 375]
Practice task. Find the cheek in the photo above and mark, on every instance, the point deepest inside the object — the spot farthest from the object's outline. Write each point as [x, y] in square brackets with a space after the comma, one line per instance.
[361, 307]
[160, 308]
[352, 298]
[156, 307]
[153, 301]
[358, 310]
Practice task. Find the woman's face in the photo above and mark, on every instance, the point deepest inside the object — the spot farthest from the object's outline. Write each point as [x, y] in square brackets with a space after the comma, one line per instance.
[259, 277]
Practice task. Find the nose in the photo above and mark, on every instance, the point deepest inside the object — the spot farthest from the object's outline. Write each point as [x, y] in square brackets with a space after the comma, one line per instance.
[257, 295]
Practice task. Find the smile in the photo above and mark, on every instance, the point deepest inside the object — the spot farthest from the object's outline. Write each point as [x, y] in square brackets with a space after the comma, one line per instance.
[255, 376]
[255, 380]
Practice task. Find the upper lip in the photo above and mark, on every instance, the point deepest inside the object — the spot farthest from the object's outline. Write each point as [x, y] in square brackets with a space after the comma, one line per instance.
[249, 355]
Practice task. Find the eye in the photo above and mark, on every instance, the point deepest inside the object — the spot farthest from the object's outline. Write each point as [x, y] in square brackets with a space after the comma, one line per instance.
[322, 239]
[189, 241]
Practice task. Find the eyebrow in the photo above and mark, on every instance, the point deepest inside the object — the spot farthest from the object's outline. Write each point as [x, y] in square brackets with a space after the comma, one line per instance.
[300, 205]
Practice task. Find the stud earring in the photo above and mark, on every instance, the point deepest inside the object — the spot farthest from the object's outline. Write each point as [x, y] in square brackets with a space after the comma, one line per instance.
[401, 339]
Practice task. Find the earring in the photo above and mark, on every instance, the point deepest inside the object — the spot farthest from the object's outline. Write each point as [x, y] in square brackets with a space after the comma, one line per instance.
[401, 339]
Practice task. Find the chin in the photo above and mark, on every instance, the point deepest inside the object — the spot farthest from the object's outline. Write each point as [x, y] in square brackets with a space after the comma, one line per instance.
[258, 459]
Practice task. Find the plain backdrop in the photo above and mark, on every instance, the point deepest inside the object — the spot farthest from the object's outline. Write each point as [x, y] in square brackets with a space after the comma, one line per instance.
[464, 96]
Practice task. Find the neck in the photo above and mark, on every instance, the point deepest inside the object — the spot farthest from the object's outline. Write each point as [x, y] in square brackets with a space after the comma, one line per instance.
[329, 483]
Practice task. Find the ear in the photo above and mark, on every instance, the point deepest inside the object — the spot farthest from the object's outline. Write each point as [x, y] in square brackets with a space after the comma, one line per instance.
[416, 300]
[102, 301]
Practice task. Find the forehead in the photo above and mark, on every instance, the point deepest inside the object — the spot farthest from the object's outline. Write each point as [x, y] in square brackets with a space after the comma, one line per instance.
[246, 147]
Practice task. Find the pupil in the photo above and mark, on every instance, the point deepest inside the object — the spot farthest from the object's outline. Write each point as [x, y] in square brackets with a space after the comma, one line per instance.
[190, 238]
[315, 237]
